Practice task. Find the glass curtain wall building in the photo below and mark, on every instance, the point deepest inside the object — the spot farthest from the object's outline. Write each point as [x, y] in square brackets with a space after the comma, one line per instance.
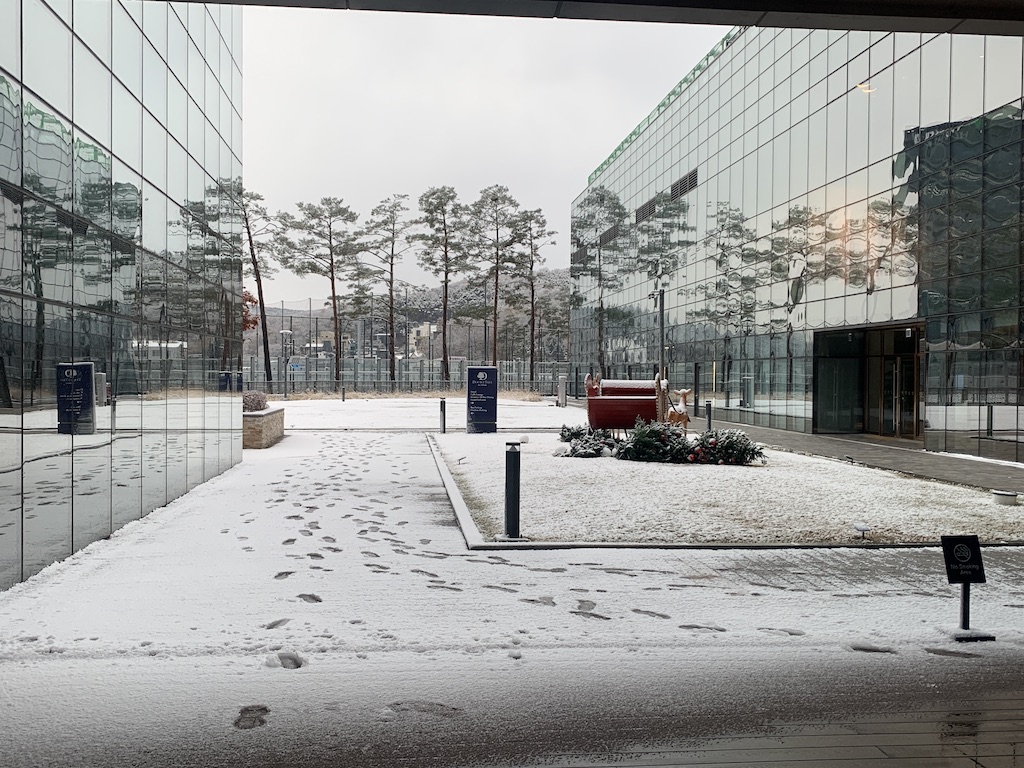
[120, 140]
[833, 218]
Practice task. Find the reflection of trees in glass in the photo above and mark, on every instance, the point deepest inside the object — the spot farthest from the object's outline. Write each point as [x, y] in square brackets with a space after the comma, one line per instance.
[661, 238]
[729, 299]
[598, 253]
[47, 147]
[10, 130]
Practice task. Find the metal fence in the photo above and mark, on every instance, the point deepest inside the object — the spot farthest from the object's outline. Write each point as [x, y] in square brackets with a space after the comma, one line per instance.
[316, 374]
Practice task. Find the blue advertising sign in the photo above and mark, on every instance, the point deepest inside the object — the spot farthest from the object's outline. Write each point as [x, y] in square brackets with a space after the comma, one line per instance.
[482, 399]
[76, 399]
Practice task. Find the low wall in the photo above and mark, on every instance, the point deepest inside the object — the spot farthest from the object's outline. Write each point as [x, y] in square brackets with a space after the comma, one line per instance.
[261, 429]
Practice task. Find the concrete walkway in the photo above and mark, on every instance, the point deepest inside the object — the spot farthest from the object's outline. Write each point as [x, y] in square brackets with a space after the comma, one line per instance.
[151, 649]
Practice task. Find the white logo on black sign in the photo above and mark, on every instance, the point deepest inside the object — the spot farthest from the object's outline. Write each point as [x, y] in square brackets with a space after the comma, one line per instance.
[962, 552]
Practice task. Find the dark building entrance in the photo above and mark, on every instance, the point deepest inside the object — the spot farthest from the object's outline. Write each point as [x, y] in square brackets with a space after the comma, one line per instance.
[868, 380]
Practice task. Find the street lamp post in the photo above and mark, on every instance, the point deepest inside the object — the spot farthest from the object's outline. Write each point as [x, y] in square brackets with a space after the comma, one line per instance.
[659, 296]
[285, 333]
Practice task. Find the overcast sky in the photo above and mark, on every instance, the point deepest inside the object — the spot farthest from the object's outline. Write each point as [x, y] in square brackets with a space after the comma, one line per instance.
[363, 105]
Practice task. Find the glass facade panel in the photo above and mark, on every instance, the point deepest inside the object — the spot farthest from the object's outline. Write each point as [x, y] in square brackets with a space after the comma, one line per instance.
[860, 267]
[87, 237]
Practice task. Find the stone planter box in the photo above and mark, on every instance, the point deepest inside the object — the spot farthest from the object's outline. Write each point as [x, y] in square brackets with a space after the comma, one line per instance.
[261, 429]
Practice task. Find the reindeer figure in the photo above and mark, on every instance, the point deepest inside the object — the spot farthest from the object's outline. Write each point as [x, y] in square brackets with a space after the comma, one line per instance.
[677, 414]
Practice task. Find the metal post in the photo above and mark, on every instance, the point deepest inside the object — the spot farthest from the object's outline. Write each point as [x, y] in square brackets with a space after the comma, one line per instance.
[343, 394]
[661, 332]
[442, 415]
[989, 420]
[707, 411]
[965, 606]
[512, 456]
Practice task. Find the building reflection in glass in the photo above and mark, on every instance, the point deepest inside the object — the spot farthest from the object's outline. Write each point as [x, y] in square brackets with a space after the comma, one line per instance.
[835, 217]
[103, 259]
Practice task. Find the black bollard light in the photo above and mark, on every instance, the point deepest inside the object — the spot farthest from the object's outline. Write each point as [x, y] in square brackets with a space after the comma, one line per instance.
[512, 456]
[442, 416]
[343, 394]
[707, 411]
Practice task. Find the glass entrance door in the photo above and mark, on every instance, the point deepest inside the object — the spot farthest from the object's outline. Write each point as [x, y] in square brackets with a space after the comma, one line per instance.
[898, 406]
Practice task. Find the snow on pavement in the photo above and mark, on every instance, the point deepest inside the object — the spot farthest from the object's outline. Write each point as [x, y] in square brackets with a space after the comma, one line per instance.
[325, 580]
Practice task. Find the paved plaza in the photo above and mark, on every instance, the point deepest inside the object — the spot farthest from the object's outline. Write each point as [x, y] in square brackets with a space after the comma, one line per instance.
[317, 606]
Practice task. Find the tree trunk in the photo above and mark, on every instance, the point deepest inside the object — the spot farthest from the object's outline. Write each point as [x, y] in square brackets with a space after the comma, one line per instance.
[533, 326]
[494, 324]
[446, 373]
[337, 329]
[268, 374]
[392, 336]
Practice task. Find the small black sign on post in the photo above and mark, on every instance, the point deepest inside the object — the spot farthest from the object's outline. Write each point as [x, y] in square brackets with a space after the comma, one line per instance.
[964, 567]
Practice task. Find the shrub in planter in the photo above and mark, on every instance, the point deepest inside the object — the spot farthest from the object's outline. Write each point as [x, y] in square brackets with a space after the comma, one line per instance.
[653, 441]
[592, 446]
[724, 446]
[570, 433]
[254, 401]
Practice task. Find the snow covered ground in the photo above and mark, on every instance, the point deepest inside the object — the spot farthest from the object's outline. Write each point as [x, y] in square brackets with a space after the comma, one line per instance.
[316, 605]
[792, 499]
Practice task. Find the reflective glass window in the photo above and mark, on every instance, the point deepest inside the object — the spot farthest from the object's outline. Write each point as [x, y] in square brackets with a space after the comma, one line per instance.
[92, 265]
[1001, 248]
[965, 217]
[10, 130]
[857, 103]
[93, 180]
[1003, 125]
[10, 36]
[127, 48]
[154, 83]
[177, 109]
[46, 468]
[212, 108]
[154, 151]
[47, 148]
[46, 55]
[154, 24]
[47, 252]
[196, 131]
[965, 179]
[1002, 207]
[92, 24]
[196, 75]
[92, 95]
[10, 246]
[935, 62]
[176, 173]
[11, 436]
[62, 8]
[905, 42]
[154, 220]
[906, 100]
[127, 132]
[1002, 71]
[836, 140]
[127, 202]
[177, 47]
[967, 70]
[1001, 288]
